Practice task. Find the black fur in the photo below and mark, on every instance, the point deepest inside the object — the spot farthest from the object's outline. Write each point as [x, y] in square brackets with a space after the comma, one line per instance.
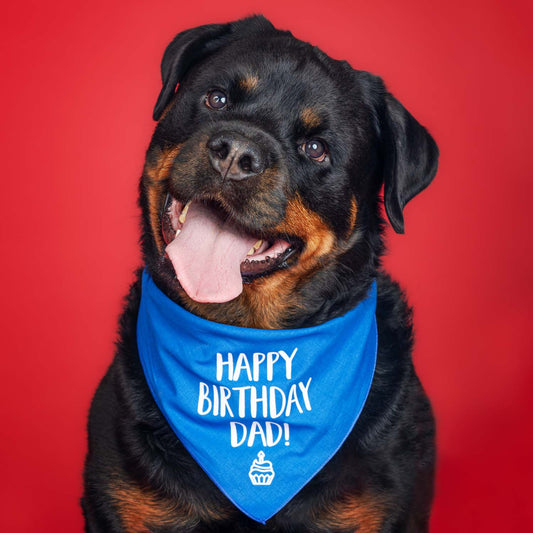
[385, 467]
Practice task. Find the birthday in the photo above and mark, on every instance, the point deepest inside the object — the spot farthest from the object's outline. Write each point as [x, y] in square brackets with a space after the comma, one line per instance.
[253, 401]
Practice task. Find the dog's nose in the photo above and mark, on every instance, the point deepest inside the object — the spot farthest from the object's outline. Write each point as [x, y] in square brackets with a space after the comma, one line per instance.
[234, 156]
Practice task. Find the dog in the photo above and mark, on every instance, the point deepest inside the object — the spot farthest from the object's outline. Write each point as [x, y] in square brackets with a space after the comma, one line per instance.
[261, 213]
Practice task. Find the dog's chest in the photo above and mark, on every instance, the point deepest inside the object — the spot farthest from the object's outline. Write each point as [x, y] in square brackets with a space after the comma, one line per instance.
[143, 511]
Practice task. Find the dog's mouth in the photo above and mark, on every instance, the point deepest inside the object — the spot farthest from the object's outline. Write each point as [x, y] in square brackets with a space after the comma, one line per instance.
[212, 255]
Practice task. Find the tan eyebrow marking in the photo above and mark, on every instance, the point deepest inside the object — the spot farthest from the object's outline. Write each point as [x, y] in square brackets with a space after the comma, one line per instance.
[310, 117]
[249, 83]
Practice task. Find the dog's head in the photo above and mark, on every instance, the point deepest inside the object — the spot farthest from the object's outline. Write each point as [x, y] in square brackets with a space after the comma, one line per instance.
[260, 193]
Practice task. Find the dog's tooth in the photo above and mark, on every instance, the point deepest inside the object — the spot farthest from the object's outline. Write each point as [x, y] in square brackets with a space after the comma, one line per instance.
[183, 214]
[177, 233]
[255, 247]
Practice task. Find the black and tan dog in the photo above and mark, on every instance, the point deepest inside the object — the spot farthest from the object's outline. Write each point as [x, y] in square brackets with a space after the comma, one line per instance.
[282, 147]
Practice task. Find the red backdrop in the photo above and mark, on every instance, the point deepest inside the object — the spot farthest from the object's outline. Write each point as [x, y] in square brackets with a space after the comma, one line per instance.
[79, 83]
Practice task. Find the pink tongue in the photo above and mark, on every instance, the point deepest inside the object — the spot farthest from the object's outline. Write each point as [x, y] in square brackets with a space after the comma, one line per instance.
[207, 255]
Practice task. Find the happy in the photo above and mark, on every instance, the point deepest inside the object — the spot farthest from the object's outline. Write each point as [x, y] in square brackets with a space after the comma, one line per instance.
[251, 367]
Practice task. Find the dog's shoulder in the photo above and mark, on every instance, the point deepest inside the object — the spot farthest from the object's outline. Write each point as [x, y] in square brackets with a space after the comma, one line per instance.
[396, 395]
[394, 317]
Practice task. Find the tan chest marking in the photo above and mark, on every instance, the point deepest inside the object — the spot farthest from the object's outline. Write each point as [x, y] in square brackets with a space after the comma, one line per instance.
[365, 514]
[141, 509]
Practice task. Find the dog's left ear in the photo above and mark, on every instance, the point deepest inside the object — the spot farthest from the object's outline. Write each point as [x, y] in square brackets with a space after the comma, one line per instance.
[410, 159]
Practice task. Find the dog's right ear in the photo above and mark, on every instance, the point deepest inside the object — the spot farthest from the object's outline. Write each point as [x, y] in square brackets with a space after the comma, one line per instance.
[190, 46]
[187, 48]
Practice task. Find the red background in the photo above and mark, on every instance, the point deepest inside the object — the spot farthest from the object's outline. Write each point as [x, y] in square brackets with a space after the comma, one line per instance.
[79, 84]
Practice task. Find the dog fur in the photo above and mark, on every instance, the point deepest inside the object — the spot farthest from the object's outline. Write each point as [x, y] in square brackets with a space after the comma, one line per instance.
[282, 93]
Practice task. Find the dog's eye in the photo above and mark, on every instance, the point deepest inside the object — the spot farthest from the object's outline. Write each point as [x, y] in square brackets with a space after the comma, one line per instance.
[216, 99]
[316, 150]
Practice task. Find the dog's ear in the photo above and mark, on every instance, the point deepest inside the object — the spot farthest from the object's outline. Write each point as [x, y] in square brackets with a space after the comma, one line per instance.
[186, 48]
[410, 159]
[191, 46]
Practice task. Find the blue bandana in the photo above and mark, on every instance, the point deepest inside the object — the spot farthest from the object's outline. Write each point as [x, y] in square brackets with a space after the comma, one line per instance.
[261, 411]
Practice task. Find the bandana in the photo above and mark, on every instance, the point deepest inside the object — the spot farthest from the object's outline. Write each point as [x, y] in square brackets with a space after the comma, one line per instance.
[261, 411]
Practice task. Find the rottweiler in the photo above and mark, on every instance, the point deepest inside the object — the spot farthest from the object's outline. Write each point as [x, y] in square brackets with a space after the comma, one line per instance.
[261, 201]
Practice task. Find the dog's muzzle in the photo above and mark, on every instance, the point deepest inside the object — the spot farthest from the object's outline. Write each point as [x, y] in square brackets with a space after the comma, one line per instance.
[234, 156]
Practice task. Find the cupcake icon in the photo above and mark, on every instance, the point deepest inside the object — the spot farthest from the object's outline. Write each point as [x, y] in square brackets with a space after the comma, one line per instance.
[261, 471]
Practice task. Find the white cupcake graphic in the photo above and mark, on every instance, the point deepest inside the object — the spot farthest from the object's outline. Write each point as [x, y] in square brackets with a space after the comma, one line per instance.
[261, 471]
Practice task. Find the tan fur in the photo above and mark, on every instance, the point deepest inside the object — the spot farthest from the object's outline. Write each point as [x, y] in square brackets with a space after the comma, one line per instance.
[310, 118]
[361, 514]
[153, 182]
[142, 509]
[353, 216]
[249, 83]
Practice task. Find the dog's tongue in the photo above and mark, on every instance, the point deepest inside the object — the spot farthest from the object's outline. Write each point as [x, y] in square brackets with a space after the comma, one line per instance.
[207, 255]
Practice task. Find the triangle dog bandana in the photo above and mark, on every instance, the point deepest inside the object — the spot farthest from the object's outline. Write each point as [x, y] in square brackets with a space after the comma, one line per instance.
[261, 411]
